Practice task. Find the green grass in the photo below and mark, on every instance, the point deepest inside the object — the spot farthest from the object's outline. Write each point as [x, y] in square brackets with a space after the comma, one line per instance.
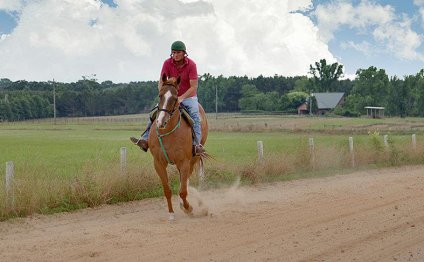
[76, 163]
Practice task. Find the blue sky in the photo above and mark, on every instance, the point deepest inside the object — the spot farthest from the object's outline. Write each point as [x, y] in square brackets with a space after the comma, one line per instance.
[379, 55]
[127, 41]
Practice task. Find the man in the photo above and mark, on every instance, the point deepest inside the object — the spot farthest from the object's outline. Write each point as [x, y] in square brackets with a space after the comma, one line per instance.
[180, 65]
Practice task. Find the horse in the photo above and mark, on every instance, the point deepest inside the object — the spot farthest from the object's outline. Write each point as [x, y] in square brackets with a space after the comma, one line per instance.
[170, 142]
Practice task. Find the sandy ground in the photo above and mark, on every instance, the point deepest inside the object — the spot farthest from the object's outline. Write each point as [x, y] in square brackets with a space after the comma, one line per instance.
[374, 215]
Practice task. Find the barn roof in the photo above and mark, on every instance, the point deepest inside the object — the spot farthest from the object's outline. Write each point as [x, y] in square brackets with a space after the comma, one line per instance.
[328, 100]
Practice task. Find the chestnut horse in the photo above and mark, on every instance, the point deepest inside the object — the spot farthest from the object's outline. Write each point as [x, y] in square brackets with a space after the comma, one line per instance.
[170, 142]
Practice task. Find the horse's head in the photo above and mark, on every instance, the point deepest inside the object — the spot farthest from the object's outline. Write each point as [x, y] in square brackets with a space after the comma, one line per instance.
[168, 100]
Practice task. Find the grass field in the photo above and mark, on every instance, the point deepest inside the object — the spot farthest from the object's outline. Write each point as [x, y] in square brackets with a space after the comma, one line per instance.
[76, 162]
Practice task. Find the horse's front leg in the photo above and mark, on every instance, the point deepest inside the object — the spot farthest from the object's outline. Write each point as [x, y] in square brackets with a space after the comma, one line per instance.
[184, 175]
[161, 171]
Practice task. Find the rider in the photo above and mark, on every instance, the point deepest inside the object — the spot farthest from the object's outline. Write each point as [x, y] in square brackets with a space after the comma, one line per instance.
[180, 65]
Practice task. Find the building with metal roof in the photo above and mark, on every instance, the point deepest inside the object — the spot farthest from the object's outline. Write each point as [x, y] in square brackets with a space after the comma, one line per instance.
[328, 101]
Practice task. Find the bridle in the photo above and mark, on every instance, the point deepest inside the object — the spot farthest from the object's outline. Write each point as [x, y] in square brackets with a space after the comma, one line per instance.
[170, 112]
[159, 135]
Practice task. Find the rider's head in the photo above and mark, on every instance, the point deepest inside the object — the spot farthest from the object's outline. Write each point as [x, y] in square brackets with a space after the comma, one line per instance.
[178, 46]
[178, 51]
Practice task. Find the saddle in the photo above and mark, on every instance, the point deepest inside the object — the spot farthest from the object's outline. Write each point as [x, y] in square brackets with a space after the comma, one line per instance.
[184, 113]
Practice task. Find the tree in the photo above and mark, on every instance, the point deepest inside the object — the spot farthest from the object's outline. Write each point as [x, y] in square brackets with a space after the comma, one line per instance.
[398, 99]
[5, 111]
[415, 85]
[325, 76]
[248, 101]
[373, 83]
[292, 100]
[5, 83]
[302, 85]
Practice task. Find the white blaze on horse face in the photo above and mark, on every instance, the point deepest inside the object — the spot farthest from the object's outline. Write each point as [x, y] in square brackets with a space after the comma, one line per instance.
[162, 114]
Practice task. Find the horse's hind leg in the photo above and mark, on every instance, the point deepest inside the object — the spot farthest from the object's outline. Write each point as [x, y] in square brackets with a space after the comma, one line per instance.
[161, 171]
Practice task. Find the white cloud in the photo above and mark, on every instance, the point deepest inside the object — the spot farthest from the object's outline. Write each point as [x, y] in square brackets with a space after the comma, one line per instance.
[400, 39]
[68, 39]
[421, 14]
[300, 5]
[3, 36]
[391, 32]
[334, 15]
[421, 11]
[363, 47]
[11, 5]
[419, 2]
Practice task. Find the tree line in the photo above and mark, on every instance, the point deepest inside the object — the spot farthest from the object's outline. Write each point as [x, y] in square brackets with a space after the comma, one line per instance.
[21, 100]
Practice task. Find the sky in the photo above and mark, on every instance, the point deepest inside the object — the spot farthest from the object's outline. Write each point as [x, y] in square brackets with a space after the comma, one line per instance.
[128, 40]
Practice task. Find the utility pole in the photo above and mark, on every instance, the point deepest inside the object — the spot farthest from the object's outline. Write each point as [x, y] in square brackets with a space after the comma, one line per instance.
[216, 101]
[54, 102]
[310, 103]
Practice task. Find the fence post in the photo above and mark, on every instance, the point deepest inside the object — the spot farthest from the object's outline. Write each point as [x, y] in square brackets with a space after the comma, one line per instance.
[123, 160]
[10, 194]
[312, 151]
[414, 142]
[260, 150]
[352, 154]
[386, 141]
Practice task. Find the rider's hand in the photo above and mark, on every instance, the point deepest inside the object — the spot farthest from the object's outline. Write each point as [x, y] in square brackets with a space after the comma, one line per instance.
[180, 99]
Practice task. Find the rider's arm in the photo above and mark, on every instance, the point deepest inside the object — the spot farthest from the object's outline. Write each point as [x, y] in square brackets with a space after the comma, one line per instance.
[190, 92]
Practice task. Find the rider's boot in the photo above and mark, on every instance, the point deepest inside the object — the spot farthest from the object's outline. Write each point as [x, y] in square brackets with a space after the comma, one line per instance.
[143, 144]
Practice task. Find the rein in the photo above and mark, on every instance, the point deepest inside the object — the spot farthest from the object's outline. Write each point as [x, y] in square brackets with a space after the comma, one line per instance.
[166, 134]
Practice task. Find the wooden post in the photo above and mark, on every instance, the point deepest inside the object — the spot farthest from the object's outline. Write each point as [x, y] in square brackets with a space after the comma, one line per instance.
[386, 141]
[414, 142]
[123, 160]
[312, 151]
[260, 150]
[352, 154]
[10, 196]
[216, 101]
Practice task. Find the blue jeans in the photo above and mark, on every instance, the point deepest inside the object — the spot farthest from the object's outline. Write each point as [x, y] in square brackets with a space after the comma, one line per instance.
[192, 105]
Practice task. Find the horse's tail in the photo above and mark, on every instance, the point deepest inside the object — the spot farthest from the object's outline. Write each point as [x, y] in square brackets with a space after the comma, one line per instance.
[201, 169]
[201, 173]
[205, 155]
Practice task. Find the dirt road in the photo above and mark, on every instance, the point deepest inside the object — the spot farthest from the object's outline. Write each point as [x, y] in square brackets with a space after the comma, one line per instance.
[374, 215]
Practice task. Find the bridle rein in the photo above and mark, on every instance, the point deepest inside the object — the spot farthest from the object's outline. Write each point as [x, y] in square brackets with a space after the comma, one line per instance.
[174, 108]
[159, 135]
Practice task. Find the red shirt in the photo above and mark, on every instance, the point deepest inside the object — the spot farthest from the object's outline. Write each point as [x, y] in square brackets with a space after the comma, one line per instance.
[188, 71]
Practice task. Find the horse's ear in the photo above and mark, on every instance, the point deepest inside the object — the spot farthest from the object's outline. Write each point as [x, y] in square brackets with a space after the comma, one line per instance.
[178, 80]
[164, 77]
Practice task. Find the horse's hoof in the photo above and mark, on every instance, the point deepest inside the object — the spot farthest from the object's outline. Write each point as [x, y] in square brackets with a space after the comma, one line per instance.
[188, 211]
[171, 217]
